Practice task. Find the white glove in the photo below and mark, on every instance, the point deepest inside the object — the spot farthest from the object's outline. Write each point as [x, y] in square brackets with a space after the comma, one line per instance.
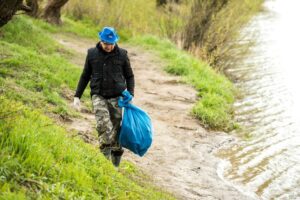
[76, 103]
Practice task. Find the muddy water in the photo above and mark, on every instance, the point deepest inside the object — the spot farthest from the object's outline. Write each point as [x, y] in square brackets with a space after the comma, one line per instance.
[266, 165]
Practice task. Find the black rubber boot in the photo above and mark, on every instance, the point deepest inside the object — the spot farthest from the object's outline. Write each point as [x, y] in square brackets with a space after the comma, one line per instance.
[116, 157]
[106, 150]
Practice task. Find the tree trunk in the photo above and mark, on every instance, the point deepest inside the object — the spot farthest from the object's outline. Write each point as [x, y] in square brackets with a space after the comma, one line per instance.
[164, 2]
[161, 2]
[200, 19]
[34, 6]
[52, 11]
[7, 10]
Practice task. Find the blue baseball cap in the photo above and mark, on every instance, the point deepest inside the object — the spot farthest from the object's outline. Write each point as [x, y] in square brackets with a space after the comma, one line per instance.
[108, 35]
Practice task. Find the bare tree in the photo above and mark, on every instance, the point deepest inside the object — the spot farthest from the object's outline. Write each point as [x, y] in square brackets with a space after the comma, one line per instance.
[52, 11]
[8, 8]
[200, 19]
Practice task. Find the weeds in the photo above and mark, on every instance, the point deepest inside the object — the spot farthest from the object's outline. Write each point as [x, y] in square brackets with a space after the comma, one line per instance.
[208, 29]
[130, 17]
[213, 28]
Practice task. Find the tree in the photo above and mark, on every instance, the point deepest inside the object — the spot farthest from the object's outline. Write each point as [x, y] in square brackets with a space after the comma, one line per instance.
[8, 8]
[161, 2]
[34, 6]
[164, 2]
[52, 11]
[201, 16]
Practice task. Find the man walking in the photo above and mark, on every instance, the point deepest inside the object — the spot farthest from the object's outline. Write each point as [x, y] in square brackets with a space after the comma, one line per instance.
[108, 70]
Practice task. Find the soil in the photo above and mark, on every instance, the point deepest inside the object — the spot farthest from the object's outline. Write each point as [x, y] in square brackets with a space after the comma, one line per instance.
[182, 156]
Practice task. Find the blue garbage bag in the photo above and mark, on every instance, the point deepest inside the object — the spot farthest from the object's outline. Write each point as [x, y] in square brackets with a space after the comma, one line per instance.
[136, 129]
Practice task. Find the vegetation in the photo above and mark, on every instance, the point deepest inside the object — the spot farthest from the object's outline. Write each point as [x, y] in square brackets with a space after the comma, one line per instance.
[208, 29]
[215, 91]
[213, 29]
[40, 159]
[214, 108]
[131, 18]
[8, 9]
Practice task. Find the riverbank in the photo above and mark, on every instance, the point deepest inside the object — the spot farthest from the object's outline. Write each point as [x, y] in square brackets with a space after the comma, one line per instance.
[266, 162]
[181, 158]
[38, 76]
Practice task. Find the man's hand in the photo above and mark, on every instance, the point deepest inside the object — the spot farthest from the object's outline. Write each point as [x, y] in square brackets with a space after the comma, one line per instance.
[76, 103]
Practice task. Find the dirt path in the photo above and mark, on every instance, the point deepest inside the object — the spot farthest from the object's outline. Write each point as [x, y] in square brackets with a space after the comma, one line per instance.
[181, 158]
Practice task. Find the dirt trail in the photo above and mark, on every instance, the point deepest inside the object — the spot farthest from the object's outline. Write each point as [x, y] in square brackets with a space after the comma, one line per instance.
[181, 158]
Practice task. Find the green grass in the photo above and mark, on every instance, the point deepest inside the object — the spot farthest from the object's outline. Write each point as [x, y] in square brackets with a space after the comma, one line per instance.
[80, 28]
[215, 91]
[39, 159]
[179, 22]
[34, 68]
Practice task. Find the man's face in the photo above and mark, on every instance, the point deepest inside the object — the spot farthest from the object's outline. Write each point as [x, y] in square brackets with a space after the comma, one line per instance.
[107, 46]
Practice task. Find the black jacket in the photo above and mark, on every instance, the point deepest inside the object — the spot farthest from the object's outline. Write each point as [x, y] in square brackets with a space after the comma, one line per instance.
[109, 73]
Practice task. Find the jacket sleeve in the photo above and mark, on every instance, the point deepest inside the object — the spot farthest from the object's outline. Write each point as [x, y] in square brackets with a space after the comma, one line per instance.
[129, 76]
[84, 78]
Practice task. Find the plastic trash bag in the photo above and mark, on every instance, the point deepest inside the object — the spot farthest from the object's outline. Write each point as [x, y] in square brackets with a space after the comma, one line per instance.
[136, 129]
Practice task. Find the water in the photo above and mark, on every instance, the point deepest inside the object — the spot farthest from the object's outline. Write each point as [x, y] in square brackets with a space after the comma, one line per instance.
[267, 164]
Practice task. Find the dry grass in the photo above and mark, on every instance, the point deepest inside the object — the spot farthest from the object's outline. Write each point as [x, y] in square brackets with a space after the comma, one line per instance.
[130, 17]
[215, 39]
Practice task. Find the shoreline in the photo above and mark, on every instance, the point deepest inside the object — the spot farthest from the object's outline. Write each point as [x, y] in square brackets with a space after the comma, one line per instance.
[181, 158]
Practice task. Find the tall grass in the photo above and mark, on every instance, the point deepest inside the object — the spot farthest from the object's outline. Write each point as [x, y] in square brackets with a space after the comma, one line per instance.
[213, 25]
[209, 29]
[212, 32]
[130, 17]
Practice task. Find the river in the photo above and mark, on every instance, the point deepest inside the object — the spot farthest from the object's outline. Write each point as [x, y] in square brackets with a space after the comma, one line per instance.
[266, 163]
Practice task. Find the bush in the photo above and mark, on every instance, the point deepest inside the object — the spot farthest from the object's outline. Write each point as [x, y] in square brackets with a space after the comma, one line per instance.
[214, 26]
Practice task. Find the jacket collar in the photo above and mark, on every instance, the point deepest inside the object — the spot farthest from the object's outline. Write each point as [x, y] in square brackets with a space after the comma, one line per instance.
[114, 51]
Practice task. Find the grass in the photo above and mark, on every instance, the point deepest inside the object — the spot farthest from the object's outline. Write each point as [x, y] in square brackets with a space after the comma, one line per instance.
[39, 159]
[209, 29]
[215, 91]
[34, 68]
[219, 42]
[218, 45]
[130, 17]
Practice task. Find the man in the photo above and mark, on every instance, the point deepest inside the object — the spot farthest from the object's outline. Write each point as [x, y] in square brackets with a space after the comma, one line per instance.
[108, 69]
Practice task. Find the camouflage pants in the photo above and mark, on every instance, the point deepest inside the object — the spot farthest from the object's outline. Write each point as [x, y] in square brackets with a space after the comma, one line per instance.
[108, 119]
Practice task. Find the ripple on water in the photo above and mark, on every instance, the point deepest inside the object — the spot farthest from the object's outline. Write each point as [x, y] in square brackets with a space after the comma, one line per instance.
[267, 164]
